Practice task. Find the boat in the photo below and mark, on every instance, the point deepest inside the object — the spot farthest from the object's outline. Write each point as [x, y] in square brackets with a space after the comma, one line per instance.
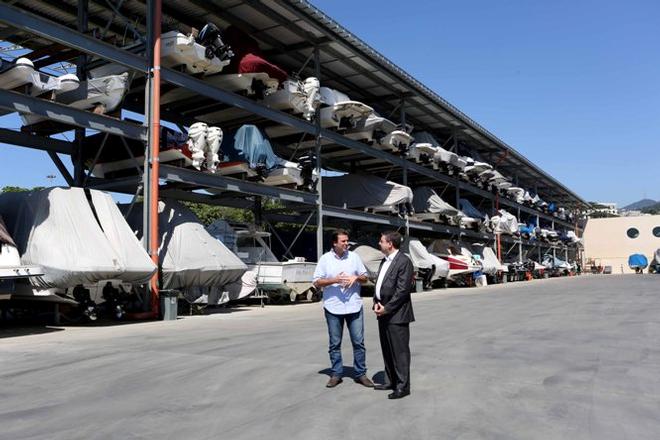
[11, 268]
[16, 73]
[475, 168]
[203, 55]
[428, 205]
[367, 192]
[102, 95]
[114, 156]
[422, 152]
[247, 151]
[77, 237]
[290, 278]
[654, 267]
[430, 268]
[460, 264]
[516, 193]
[203, 269]
[504, 223]
[471, 211]
[490, 264]
[527, 231]
[338, 111]
[371, 258]
[638, 262]
[297, 97]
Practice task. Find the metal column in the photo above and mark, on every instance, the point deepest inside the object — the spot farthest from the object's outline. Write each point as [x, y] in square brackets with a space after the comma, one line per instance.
[319, 183]
[81, 72]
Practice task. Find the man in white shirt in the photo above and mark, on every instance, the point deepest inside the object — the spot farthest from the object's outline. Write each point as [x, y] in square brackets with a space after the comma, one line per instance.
[340, 273]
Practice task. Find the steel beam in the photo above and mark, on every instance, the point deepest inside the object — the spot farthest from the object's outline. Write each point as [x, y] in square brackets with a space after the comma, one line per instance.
[65, 114]
[36, 142]
[206, 180]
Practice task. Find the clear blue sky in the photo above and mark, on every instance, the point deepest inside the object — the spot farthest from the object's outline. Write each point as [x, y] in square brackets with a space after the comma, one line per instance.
[572, 85]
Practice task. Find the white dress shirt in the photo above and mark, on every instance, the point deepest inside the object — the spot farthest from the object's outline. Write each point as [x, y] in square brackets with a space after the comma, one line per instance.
[383, 271]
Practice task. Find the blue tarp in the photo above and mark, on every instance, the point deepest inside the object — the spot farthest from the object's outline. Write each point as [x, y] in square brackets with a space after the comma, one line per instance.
[527, 229]
[637, 260]
[552, 207]
[248, 144]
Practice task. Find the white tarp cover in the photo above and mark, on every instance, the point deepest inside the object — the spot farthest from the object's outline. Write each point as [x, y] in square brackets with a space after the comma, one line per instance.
[504, 223]
[362, 191]
[425, 199]
[371, 258]
[57, 229]
[422, 259]
[8, 253]
[189, 256]
[490, 265]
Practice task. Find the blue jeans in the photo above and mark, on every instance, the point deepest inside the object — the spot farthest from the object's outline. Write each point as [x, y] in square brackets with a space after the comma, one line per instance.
[355, 324]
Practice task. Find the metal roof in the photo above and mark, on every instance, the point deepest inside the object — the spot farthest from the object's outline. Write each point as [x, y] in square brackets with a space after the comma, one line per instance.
[288, 31]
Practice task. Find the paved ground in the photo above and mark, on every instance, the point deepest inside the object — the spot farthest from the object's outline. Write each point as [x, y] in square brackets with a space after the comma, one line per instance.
[572, 358]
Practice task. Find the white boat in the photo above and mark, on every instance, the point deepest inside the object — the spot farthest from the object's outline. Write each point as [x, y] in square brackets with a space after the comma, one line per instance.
[180, 50]
[297, 97]
[16, 74]
[103, 95]
[339, 111]
[516, 193]
[294, 277]
[428, 205]
[504, 223]
[422, 152]
[11, 268]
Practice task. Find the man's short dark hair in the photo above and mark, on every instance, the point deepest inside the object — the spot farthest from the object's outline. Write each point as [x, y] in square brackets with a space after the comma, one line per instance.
[393, 237]
[337, 233]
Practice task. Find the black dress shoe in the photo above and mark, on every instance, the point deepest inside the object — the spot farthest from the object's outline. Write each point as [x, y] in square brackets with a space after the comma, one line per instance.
[397, 394]
[383, 387]
[333, 382]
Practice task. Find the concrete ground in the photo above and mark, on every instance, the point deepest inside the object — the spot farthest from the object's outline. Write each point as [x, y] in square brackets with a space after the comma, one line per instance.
[571, 358]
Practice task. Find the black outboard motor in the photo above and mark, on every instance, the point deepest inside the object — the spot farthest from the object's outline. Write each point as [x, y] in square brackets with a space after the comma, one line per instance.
[87, 306]
[307, 164]
[210, 38]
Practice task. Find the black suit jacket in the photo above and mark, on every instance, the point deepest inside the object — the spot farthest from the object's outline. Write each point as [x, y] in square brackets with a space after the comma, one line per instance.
[395, 290]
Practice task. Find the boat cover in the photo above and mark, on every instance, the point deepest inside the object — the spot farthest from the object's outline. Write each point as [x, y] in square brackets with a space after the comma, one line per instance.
[360, 191]
[656, 256]
[469, 209]
[248, 144]
[425, 199]
[490, 265]
[248, 57]
[189, 256]
[76, 236]
[371, 258]
[637, 261]
[422, 259]
[504, 223]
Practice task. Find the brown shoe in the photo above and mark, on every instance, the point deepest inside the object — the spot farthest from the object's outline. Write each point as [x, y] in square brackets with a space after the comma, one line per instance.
[364, 380]
[333, 382]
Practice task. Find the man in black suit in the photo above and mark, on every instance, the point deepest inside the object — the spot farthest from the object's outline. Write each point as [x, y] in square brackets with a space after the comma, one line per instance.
[394, 311]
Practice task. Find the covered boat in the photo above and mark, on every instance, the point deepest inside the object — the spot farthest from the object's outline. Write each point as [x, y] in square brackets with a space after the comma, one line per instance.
[490, 264]
[429, 266]
[516, 193]
[371, 258]
[504, 223]
[638, 262]
[429, 206]
[103, 95]
[297, 97]
[368, 192]
[205, 55]
[248, 151]
[76, 236]
[422, 152]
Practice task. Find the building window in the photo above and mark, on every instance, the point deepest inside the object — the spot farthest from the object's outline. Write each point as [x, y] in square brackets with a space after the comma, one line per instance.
[633, 232]
[656, 231]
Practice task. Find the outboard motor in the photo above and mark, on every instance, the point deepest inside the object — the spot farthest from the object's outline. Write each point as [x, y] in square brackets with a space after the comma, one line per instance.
[210, 38]
[307, 164]
[86, 305]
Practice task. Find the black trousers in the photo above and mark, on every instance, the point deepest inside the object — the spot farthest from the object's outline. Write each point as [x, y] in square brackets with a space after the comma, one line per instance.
[395, 345]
